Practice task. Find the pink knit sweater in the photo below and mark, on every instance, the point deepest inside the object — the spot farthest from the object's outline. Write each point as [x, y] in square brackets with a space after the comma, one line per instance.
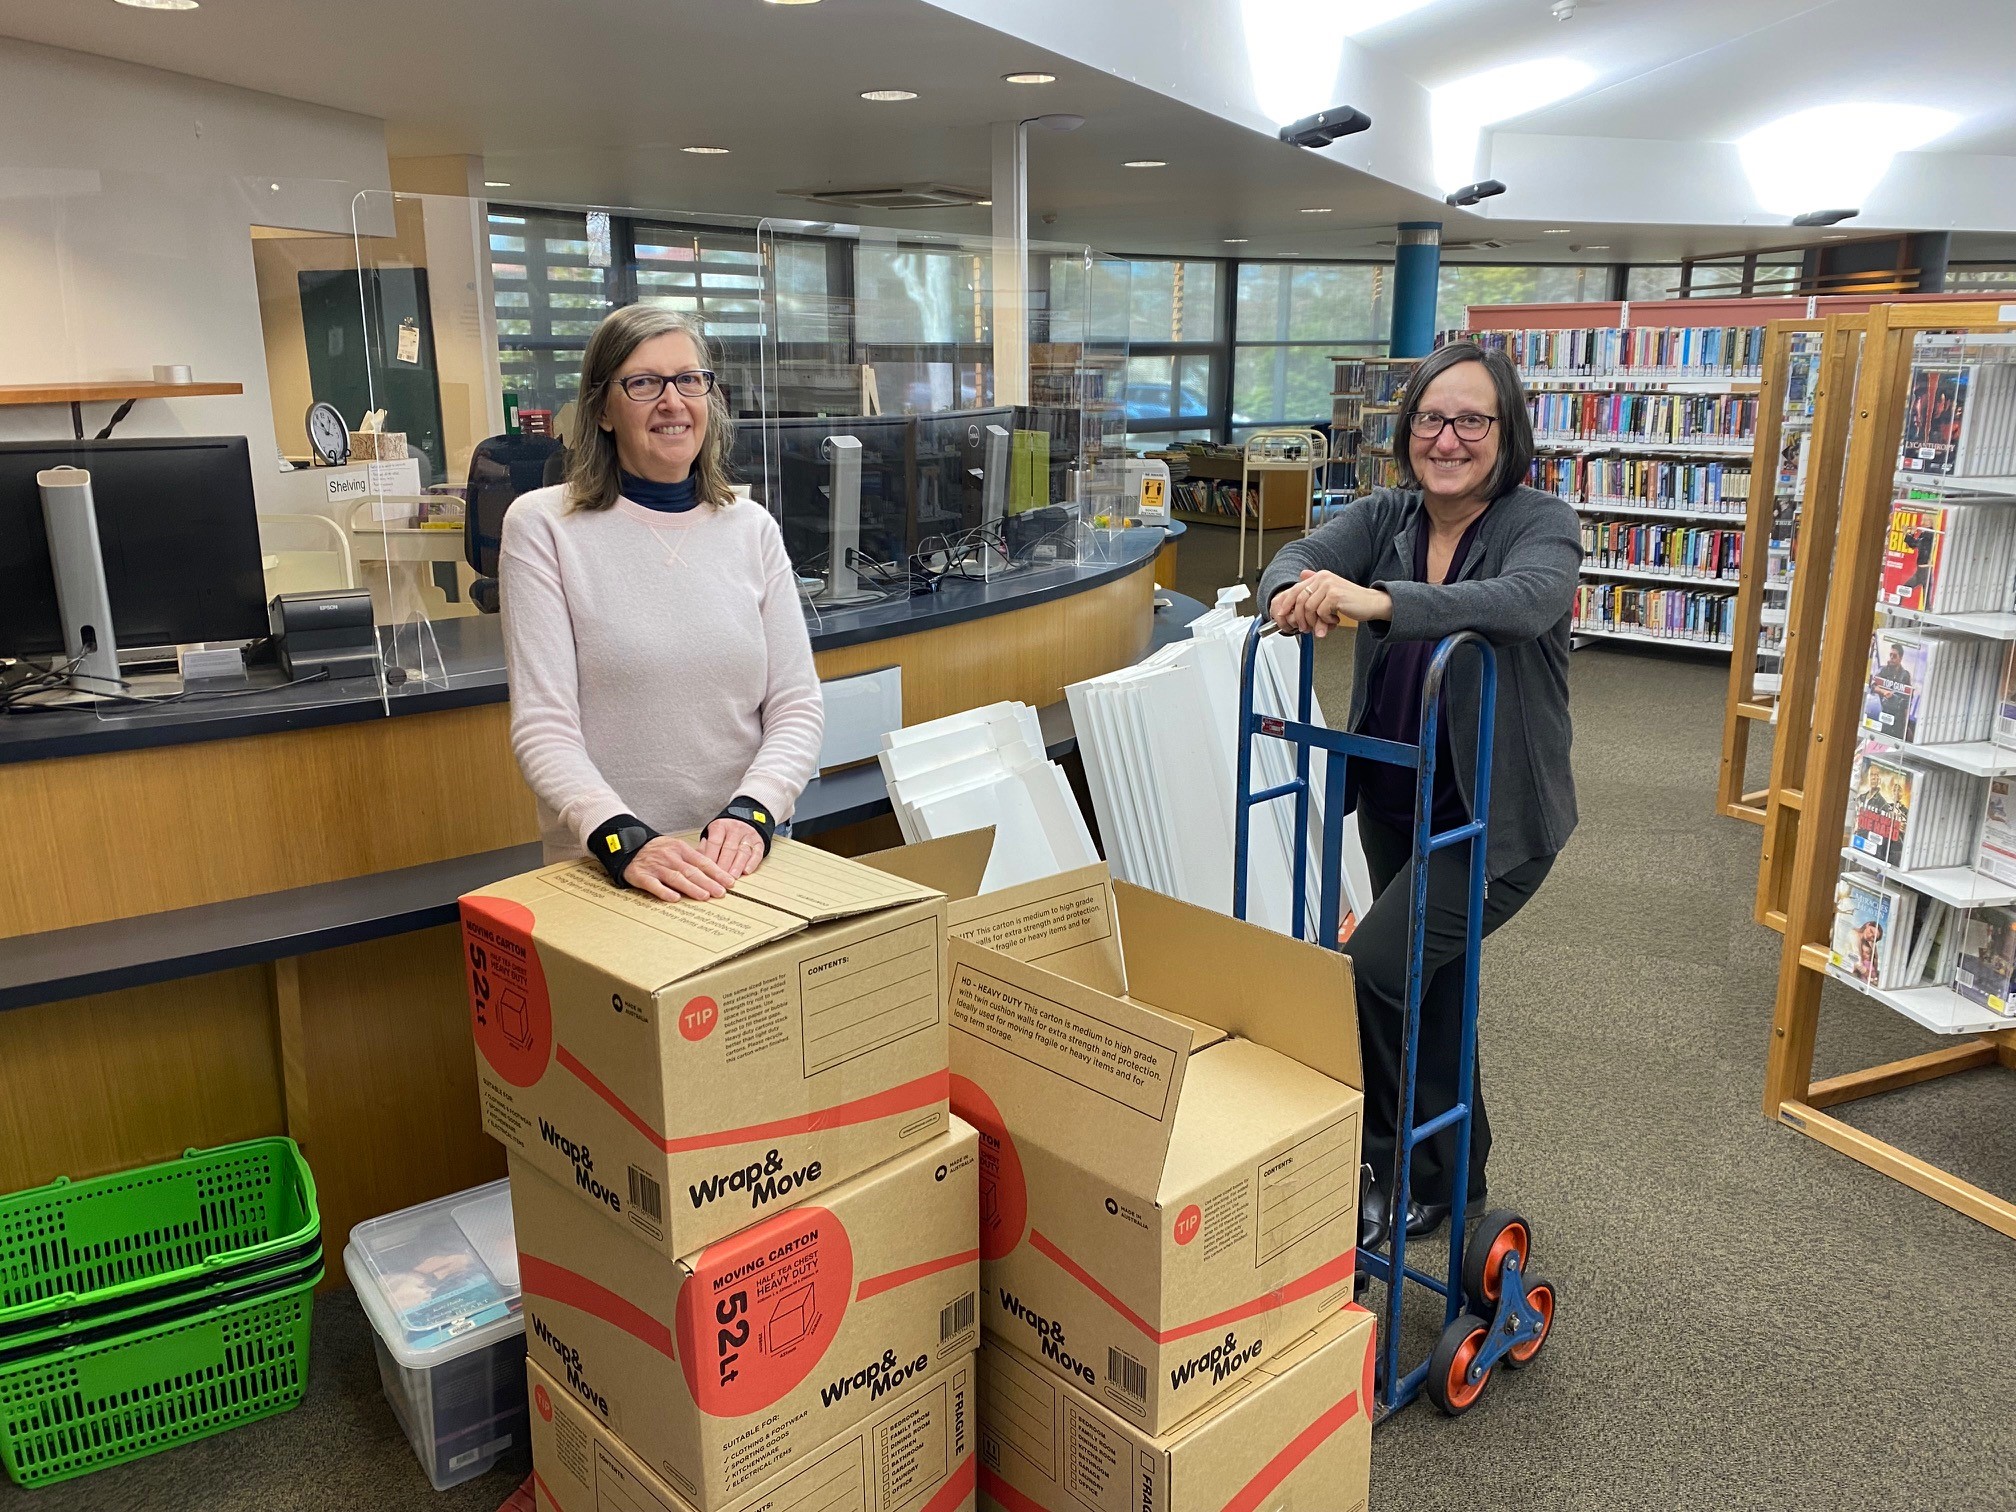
[659, 664]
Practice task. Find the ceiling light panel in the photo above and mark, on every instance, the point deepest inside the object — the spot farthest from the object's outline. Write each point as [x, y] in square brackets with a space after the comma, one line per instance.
[1458, 112]
[1144, 163]
[1032, 77]
[1834, 154]
[161, 5]
[882, 95]
[706, 151]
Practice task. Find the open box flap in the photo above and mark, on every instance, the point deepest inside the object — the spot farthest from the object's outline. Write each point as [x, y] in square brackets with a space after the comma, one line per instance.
[1097, 1079]
[954, 865]
[1293, 997]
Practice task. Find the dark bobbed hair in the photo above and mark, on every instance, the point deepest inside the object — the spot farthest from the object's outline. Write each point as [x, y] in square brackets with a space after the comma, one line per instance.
[1515, 425]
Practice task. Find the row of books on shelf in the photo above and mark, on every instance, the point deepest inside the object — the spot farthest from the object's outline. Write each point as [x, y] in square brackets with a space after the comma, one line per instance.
[1210, 496]
[1960, 414]
[1685, 549]
[1373, 380]
[1949, 557]
[1370, 470]
[1677, 614]
[1733, 352]
[1711, 419]
[1646, 483]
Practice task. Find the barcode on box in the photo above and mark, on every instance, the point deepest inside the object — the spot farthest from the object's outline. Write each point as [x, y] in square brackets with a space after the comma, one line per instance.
[956, 1319]
[647, 1198]
[1127, 1375]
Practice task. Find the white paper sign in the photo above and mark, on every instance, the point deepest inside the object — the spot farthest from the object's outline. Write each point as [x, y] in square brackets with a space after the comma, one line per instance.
[409, 341]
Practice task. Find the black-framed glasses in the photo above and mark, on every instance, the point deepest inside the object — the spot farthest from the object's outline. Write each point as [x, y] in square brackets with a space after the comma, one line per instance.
[696, 383]
[1428, 425]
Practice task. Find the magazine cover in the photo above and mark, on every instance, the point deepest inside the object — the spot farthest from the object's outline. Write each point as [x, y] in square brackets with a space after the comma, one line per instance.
[1879, 808]
[1932, 419]
[1911, 553]
[1988, 959]
[1861, 928]
[2005, 703]
[1897, 676]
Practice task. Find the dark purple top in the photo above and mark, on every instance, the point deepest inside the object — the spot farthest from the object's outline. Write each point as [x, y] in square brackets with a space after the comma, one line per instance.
[1393, 712]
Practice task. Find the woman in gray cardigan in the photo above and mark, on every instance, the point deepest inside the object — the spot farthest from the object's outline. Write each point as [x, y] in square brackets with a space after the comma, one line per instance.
[1463, 545]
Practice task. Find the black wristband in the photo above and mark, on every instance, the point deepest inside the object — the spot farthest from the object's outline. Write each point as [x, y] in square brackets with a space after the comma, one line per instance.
[752, 813]
[616, 844]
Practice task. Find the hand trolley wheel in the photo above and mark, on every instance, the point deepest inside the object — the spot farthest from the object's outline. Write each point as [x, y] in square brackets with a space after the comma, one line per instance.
[1497, 1235]
[1540, 1296]
[1449, 1385]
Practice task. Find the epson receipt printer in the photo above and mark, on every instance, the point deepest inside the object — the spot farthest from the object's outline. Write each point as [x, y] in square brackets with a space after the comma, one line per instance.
[326, 633]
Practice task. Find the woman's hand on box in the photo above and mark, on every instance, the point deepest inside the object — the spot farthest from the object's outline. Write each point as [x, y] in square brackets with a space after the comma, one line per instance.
[671, 869]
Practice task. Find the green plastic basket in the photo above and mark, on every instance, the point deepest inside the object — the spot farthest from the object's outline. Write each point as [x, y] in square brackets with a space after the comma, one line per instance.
[205, 1221]
[109, 1396]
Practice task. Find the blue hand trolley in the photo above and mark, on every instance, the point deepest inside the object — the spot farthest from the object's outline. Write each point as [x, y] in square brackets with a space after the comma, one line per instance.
[1492, 1309]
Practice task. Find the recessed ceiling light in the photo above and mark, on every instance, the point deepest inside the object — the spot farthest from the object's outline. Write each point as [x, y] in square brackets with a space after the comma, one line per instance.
[1559, 231]
[983, 202]
[1316, 210]
[1144, 163]
[160, 4]
[791, 2]
[1237, 241]
[1031, 77]
[888, 94]
[1597, 247]
[706, 151]
[1835, 236]
[496, 183]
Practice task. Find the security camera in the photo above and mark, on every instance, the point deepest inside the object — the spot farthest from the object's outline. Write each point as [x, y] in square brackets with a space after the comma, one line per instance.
[1469, 194]
[1564, 10]
[1326, 126]
[1824, 217]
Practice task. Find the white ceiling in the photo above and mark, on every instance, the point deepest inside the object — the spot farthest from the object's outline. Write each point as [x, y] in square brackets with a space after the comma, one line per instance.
[589, 102]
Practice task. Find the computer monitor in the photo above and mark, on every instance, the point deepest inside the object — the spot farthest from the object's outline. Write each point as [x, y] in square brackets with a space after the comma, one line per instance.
[952, 468]
[178, 527]
[803, 468]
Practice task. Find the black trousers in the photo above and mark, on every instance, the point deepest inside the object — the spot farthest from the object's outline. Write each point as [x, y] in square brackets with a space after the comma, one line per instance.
[1378, 950]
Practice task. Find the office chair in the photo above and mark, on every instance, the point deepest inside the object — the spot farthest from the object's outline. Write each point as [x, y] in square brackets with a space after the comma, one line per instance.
[500, 469]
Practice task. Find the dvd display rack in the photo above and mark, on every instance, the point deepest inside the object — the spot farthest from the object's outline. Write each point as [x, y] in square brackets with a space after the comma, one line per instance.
[1926, 542]
[1648, 432]
[1787, 405]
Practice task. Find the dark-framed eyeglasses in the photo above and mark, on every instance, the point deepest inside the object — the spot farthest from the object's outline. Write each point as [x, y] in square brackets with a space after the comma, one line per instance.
[697, 383]
[1428, 425]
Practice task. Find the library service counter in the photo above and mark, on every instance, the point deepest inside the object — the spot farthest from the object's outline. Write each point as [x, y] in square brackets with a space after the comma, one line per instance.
[233, 917]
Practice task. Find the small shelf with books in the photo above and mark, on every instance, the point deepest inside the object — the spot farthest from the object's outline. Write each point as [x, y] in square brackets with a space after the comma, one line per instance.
[1935, 392]
[1656, 574]
[1647, 637]
[1672, 354]
[1606, 507]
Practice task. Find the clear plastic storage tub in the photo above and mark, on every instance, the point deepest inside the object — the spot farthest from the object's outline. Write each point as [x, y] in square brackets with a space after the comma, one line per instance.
[439, 1283]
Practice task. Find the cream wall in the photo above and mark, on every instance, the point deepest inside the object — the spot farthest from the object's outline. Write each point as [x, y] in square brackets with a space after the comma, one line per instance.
[126, 205]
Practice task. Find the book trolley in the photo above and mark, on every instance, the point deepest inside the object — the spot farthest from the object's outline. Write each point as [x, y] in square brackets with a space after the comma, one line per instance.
[1883, 389]
[1493, 1311]
[1284, 449]
[1787, 412]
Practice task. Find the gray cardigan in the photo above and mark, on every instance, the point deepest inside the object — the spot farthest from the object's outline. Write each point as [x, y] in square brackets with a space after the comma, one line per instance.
[1517, 589]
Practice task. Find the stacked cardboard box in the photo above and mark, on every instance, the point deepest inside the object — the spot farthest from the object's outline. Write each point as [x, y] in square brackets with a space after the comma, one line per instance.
[745, 1218]
[1169, 1118]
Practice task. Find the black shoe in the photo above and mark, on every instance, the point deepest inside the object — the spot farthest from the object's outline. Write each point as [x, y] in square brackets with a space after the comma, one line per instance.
[1426, 1217]
[1375, 1216]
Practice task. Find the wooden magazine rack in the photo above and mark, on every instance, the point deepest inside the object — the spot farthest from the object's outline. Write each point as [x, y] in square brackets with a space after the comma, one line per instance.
[1818, 773]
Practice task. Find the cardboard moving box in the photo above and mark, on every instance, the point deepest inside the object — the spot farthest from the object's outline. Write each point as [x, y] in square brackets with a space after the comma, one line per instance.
[1296, 1434]
[1169, 1115]
[915, 1453]
[721, 1369]
[687, 1067]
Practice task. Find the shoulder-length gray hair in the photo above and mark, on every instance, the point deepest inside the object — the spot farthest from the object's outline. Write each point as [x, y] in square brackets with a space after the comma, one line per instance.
[592, 481]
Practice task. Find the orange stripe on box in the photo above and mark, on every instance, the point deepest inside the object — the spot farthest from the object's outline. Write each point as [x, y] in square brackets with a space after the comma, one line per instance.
[546, 1491]
[955, 1490]
[875, 1285]
[1326, 1274]
[886, 1104]
[1298, 1449]
[1007, 1495]
[555, 1283]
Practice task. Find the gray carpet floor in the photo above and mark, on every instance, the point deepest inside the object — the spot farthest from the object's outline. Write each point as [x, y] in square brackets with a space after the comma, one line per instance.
[1747, 1321]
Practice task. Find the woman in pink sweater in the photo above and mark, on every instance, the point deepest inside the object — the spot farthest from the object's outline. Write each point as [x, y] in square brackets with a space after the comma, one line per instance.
[661, 674]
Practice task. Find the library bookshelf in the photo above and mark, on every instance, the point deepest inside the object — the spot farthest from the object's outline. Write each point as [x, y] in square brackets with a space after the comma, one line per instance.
[1838, 649]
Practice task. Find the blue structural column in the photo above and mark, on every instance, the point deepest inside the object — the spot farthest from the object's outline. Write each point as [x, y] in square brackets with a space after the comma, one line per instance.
[1417, 267]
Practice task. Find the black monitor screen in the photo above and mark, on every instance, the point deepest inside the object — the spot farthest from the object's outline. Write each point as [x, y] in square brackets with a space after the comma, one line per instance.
[804, 475]
[951, 468]
[178, 528]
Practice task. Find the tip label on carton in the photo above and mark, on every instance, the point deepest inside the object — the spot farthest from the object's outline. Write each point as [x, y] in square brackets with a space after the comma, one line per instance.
[1188, 1222]
[698, 1018]
[509, 1006]
[543, 1402]
[1004, 1195]
[761, 1309]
